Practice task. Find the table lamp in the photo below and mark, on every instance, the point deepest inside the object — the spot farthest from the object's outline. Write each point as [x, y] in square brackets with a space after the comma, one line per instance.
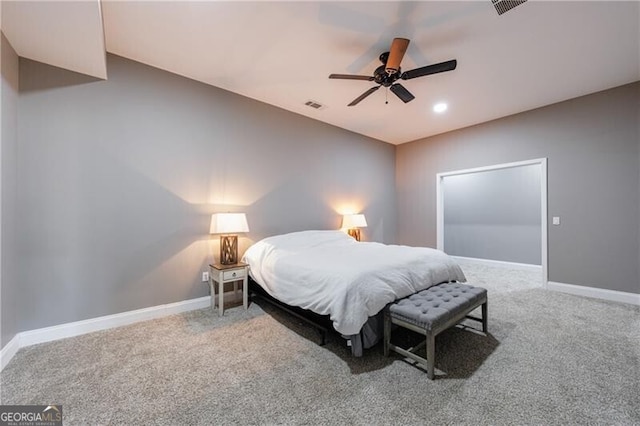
[228, 224]
[353, 223]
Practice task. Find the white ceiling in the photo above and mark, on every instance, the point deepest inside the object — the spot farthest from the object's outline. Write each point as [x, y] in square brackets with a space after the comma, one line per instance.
[64, 34]
[281, 53]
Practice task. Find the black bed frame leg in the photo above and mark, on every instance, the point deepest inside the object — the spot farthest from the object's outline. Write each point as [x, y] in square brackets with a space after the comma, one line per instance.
[323, 337]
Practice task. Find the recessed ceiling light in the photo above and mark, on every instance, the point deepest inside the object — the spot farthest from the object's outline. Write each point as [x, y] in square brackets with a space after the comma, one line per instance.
[439, 108]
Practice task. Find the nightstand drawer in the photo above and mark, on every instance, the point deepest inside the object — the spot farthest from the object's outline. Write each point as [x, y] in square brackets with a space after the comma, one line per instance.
[229, 275]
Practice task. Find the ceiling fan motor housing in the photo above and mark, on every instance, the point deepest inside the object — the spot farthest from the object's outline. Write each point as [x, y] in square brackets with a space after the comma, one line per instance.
[381, 76]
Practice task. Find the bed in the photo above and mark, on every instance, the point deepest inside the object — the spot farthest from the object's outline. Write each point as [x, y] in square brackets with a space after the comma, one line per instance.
[331, 274]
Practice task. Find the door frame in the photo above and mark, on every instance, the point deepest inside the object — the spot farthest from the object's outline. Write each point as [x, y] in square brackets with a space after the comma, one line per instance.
[542, 162]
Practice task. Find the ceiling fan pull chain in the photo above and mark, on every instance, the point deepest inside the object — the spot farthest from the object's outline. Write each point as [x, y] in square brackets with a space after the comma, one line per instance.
[386, 96]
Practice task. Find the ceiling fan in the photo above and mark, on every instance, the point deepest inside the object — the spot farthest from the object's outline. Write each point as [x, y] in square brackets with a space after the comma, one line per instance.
[389, 72]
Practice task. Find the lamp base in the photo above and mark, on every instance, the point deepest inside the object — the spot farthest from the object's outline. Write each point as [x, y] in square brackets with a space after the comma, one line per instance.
[228, 249]
[355, 233]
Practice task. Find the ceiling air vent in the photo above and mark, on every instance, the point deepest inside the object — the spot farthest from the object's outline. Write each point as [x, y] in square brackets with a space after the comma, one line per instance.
[314, 105]
[503, 6]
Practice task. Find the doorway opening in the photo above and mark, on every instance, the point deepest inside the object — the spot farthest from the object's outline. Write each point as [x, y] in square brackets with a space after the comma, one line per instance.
[495, 215]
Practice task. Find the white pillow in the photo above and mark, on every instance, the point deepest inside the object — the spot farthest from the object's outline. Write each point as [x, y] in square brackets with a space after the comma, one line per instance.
[294, 241]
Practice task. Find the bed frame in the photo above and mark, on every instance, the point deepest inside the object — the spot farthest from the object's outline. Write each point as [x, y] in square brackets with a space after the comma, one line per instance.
[321, 323]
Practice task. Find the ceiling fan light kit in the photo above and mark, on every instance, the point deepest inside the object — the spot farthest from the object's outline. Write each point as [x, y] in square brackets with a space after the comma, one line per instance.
[389, 72]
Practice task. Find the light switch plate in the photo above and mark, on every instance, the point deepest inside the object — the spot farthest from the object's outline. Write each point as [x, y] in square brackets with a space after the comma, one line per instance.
[556, 220]
[205, 277]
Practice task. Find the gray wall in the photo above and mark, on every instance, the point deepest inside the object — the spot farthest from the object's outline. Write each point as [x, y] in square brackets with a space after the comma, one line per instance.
[592, 146]
[114, 182]
[8, 152]
[494, 214]
[118, 178]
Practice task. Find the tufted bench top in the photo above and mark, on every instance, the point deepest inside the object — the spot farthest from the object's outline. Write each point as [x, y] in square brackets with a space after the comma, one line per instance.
[436, 305]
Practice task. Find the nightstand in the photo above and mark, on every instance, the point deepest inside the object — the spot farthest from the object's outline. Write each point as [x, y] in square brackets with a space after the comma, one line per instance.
[222, 274]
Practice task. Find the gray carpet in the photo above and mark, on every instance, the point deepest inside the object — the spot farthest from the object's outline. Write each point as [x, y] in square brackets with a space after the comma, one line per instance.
[550, 358]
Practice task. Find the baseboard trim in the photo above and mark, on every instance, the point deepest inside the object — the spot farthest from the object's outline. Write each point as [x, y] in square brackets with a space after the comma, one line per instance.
[500, 264]
[77, 328]
[596, 293]
[9, 350]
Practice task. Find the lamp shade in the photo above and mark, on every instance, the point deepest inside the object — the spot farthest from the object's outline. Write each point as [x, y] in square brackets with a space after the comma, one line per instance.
[228, 223]
[354, 221]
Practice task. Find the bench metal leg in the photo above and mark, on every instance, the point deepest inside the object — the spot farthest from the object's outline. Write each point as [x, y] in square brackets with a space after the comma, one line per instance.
[431, 354]
[387, 332]
[484, 318]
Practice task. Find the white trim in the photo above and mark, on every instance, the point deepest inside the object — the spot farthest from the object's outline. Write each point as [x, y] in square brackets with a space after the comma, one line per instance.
[543, 204]
[493, 167]
[596, 293]
[499, 264]
[62, 331]
[544, 216]
[9, 350]
[77, 328]
[439, 213]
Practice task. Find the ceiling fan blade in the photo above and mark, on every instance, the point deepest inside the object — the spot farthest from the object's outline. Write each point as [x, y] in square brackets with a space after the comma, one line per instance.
[351, 77]
[430, 69]
[398, 49]
[357, 100]
[401, 92]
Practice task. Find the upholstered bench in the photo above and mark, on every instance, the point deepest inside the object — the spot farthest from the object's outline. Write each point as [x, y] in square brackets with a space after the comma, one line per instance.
[430, 312]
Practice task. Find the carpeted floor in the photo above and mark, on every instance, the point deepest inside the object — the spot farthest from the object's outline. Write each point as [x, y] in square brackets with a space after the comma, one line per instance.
[550, 359]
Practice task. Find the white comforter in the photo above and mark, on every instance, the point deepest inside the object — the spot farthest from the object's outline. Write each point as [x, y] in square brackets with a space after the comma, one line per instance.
[330, 273]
